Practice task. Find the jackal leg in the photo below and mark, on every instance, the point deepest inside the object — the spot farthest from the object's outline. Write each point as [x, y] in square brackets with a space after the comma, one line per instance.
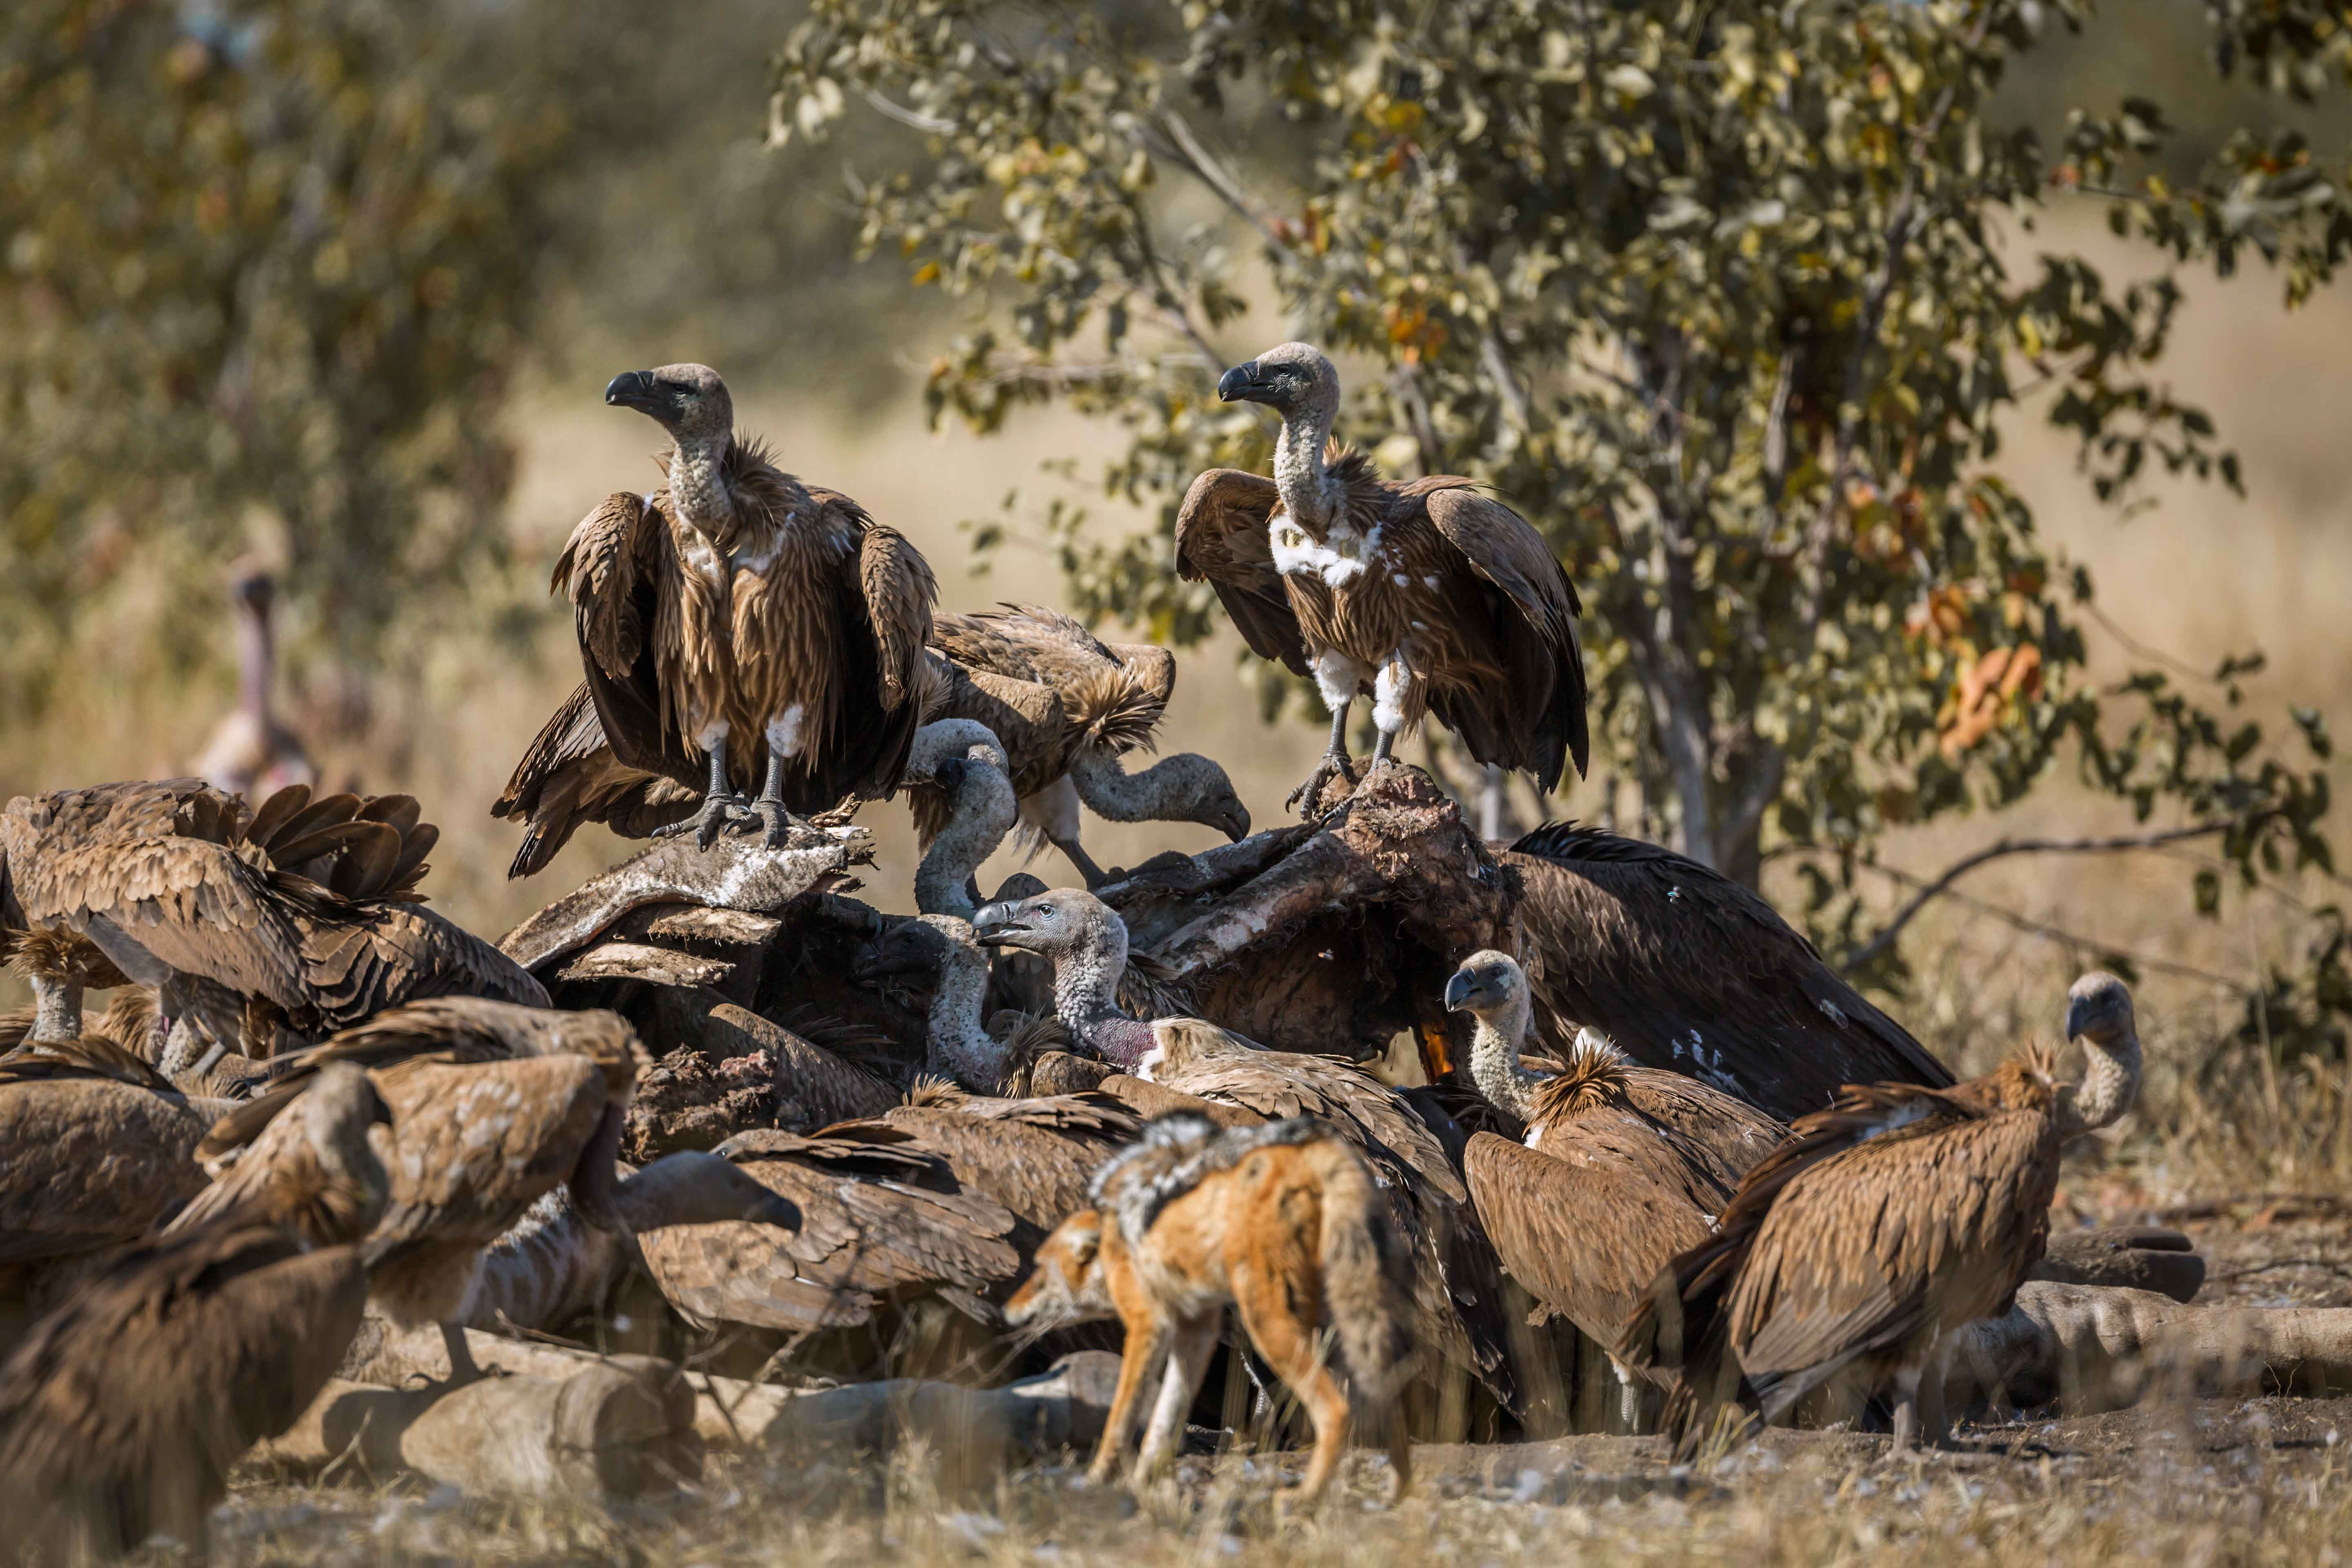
[1146, 1348]
[1187, 1364]
[1288, 1344]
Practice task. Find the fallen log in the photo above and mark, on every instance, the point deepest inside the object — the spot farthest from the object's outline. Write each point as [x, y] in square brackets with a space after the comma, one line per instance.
[2090, 1349]
[622, 1427]
[2136, 1257]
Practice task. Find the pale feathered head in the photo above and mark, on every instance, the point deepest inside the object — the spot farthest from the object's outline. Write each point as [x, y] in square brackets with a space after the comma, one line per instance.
[1291, 379]
[689, 401]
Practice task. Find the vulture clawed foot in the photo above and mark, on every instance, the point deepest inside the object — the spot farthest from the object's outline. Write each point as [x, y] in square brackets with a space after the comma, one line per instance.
[1307, 798]
[769, 818]
[706, 825]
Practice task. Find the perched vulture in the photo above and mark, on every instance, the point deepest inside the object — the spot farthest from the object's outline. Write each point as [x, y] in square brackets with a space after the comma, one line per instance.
[1086, 941]
[249, 753]
[302, 917]
[1067, 706]
[1422, 593]
[1882, 1224]
[880, 1217]
[99, 1149]
[494, 1106]
[121, 1412]
[1491, 987]
[1683, 968]
[736, 617]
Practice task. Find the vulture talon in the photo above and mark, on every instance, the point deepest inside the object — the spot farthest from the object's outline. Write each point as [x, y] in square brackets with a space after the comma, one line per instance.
[1308, 798]
[706, 825]
[771, 819]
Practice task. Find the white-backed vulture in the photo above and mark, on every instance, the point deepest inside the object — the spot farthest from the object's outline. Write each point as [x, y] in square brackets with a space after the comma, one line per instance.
[1684, 969]
[121, 1412]
[302, 917]
[1100, 702]
[1424, 594]
[959, 764]
[879, 1218]
[1088, 944]
[1879, 1227]
[249, 753]
[97, 1149]
[494, 1106]
[1492, 989]
[736, 617]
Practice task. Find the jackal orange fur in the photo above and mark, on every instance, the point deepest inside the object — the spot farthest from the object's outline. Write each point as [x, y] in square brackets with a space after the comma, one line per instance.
[1284, 1222]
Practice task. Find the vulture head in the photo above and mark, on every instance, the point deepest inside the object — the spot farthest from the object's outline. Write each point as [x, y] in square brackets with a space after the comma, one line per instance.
[250, 587]
[340, 1110]
[1488, 982]
[1207, 791]
[689, 401]
[2099, 1014]
[943, 747]
[1294, 380]
[1064, 921]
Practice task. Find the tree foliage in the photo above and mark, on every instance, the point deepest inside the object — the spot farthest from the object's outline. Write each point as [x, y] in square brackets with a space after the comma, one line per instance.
[261, 256]
[1734, 301]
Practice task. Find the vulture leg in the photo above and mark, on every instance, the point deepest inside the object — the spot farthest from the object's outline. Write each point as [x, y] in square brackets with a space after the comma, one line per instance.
[1334, 764]
[463, 1368]
[1076, 853]
[57, 1007]
[770, 809]
[720, 805]
[181, 1048]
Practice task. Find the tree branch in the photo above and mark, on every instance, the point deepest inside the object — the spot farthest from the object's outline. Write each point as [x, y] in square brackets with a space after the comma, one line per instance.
[1206, 168]
[1931, 891]
[927, 123]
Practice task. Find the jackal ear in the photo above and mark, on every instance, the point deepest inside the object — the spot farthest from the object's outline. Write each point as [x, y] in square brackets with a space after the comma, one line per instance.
[1086, 1240]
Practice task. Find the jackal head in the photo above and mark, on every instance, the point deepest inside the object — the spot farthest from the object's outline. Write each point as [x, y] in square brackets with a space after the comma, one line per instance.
[1065, 1283]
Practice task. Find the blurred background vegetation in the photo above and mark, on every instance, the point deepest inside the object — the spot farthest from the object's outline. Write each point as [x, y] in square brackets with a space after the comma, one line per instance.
[334, 284]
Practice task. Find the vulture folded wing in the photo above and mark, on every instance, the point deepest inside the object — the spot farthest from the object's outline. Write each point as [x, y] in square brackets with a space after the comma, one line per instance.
[572, 776]
[404, 953]
[1540, 654]
[476, 1144]
[1221, 536]
[600, 571]
[87, 1159]
[900, 592]
[1037, 1171]
[1585, 1230]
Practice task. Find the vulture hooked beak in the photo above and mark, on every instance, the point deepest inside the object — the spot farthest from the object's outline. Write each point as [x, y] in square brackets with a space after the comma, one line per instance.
[1243, 383]
[637, 389]
[2098, 1009]
[1461, 990]
[997, 925]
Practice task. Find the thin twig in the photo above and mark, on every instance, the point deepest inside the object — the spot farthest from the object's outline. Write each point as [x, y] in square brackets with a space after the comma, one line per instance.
[2329, 1264]
[2143, 649]
[927, 123]
[1205, 167]
[1933, 889]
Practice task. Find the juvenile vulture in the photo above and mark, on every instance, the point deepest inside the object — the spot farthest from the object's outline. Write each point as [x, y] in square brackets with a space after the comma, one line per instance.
[1422, 593]
[736, 617]
[1086, 941]
[300, 918]
[1491, 987]
[249, 752]
[1686, 970]
[880, 1219]
[1068, 706]
[495, 1105]
[122, 1411]
[100, 1150]
[1614, 1179]
[1882, 1225]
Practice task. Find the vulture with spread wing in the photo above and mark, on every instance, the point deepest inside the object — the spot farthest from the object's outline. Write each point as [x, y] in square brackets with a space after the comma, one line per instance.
[1682, 968]
[734, 623]
[301, 918]
[1422, 593]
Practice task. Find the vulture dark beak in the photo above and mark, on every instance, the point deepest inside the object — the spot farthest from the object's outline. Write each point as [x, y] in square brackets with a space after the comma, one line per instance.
[1459, 990]
[948, 775]
[2085, 1013]
[1237, 384]
[996, 925]
[637, 389]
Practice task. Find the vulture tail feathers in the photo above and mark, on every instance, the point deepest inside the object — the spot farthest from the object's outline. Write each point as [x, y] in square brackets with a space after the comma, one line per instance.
[276, 812]
[1115, 711]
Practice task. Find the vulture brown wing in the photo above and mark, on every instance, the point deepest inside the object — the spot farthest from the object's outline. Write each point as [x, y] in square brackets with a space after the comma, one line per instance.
[121, 1413]
[599, 570]
[1734, 1133]
[1038, 1173]
[983, 642]
[1587, 1229]
[402, 952]
[89, 1160]
[1221, 536]
[1683, 968]
[900, 592]
[1538, 649]
[1026, 715]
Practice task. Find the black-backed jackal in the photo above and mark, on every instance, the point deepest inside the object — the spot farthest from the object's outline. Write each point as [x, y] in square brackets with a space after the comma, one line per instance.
[1284, 1222]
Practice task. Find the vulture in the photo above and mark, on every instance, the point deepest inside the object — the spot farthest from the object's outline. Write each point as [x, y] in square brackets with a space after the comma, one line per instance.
[1686, 970]
[1086, 941]
[1883, 1224]
[1613, 1182]
[571, 775]
[1068, 705]
[61, 965]
[249, 753]
[495, 1105]
[1424, 594]
[740, 623]
[302, 917]
[100, 1150]
[880, 1217]
[1491, 987]
[957, 1044]
[1034, 1155]
[121, 1412]
[962, 763]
